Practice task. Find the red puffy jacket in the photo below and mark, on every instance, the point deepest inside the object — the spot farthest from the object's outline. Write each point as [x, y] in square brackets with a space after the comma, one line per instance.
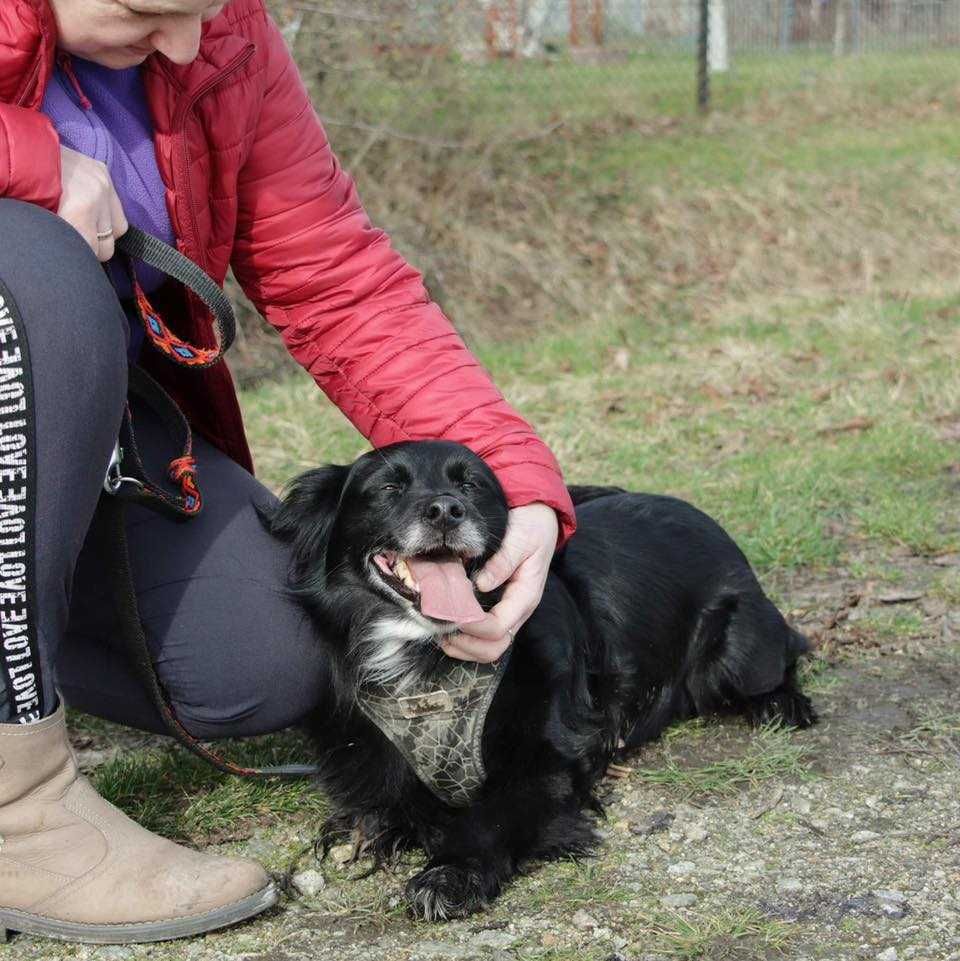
[252, 182]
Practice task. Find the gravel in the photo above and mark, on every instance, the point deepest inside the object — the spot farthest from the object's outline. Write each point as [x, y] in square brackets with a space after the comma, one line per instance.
[310, 883]
[789, 885]
[494, 939]
[655, 823]
[678, 900]
[583, 920]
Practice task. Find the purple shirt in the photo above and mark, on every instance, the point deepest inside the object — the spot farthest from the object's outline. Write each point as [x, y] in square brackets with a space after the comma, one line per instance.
[103, 113]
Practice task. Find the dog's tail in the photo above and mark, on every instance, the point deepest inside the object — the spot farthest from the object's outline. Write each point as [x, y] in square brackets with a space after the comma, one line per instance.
[743, 647]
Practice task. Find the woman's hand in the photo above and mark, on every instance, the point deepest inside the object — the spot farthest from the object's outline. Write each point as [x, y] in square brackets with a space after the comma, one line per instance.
[89, 202]
[523, 561]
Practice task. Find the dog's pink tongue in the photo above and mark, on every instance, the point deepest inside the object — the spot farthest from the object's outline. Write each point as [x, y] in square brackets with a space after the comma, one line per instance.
[445, 590]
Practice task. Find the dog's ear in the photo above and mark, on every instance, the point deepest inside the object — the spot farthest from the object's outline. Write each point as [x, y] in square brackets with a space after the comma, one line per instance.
[308, 506]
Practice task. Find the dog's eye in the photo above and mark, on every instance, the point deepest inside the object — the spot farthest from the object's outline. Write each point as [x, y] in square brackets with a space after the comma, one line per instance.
[391, 488]
[468, 486]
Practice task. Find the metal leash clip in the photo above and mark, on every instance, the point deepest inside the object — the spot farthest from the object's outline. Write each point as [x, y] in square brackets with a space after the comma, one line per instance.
[114, 478]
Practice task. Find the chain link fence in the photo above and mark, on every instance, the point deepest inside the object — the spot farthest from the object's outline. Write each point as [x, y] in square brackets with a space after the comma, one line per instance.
[560, 55]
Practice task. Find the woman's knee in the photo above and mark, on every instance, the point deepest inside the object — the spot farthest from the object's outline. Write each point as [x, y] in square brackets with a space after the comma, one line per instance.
[252, 709]
[265, 684]
[216, 691]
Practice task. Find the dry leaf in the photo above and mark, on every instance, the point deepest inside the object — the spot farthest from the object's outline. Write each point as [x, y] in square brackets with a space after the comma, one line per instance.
[621, 358]
[900, 597]
[824, 393]
[950, 431]
[857, 423]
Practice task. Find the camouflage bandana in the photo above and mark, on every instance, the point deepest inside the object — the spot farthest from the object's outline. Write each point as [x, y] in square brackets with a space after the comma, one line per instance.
[439, 727]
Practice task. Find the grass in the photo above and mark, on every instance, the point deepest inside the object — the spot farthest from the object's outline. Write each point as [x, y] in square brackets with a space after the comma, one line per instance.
[893, 624]
[691, 934]
[580, 884]
[592, 886]
[442, 94]
[179, 796]
[947, 587]
[812, 178]
[938, 730]
[692, 730]
[718, 935]
[933, 741]
[799, 429]
[769, 753]
[816, 677]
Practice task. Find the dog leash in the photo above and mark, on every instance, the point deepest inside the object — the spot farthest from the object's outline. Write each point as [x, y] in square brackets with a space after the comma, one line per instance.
[138, 245]
[127, 480]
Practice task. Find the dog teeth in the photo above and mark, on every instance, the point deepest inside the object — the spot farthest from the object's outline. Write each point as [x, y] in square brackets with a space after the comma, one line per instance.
[403, 572]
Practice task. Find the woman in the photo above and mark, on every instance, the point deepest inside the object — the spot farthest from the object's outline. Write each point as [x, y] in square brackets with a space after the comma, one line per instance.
[187, 118]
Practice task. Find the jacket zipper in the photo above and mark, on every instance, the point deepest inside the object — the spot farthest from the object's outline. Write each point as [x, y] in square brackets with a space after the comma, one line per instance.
[28, 87]
[179, 123]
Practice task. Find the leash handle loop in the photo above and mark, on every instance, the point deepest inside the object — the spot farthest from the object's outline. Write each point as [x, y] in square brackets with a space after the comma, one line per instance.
[138, 245]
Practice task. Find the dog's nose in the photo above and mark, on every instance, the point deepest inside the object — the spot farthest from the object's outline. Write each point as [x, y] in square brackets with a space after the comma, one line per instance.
[445, 512]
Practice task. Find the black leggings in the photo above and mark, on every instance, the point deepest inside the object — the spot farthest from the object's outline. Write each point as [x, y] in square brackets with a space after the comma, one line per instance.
[235, 653]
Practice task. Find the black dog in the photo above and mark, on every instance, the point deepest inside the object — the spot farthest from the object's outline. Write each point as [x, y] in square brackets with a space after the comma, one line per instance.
[651, 614]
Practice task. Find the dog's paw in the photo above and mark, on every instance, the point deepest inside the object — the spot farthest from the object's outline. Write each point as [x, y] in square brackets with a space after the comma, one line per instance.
[785, 707]
[445, 892]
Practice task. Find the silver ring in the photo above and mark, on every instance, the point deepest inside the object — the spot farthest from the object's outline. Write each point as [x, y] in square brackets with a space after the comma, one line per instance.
[103, 234]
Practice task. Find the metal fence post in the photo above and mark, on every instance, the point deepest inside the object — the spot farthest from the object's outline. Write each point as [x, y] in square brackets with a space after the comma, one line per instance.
[703, 69]
[855, 41]
[787, 16]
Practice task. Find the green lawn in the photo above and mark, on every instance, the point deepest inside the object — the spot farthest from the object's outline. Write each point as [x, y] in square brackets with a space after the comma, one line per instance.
[800, 429]
[759, 312]
[447, 97]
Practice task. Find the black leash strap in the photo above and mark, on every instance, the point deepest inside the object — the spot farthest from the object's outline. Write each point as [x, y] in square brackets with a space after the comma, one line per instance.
[128, 481]
[142, 246]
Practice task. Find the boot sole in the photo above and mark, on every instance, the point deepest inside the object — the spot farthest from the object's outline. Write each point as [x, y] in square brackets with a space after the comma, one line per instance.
[169, 930]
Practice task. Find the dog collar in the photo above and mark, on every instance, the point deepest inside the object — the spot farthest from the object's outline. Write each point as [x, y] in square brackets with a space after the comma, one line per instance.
[438, 727]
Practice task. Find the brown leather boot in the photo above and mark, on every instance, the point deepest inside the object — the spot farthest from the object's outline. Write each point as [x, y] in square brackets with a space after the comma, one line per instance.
[74, 867]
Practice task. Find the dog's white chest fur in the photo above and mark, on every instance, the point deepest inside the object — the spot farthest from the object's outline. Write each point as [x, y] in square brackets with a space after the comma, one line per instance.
[389, 650]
